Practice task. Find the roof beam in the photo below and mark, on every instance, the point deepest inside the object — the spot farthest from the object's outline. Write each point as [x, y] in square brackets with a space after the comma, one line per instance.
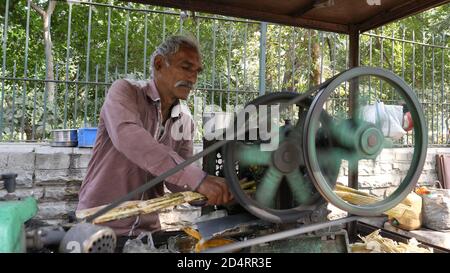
[299, 12]
[408, 9]
[227, 10]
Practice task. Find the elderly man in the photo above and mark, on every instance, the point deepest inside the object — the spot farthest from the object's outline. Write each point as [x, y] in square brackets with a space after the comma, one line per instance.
[135, 140]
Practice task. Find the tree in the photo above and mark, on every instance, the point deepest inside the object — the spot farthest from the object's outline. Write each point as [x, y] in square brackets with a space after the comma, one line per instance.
[46, 19]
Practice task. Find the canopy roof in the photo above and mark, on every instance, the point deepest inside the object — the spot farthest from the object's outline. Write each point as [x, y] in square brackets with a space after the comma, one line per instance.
[342, 16]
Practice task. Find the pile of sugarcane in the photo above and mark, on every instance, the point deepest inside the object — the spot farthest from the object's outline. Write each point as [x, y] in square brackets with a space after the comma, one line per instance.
[375, 243]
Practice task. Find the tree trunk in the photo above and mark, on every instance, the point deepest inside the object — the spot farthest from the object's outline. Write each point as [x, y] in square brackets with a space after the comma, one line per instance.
[315, 59]
[290, 61]
[46, 18]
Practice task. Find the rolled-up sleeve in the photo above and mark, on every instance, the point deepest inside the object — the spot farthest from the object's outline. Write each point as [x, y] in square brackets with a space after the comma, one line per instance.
[125, 129]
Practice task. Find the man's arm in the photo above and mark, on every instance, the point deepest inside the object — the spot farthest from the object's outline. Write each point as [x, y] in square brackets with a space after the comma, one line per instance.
[122, 121]
[213, 187]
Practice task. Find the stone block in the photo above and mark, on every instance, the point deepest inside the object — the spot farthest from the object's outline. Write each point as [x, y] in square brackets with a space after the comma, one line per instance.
[365, 169]
[82, 151]
[62, 193]
[48, 159]
[17, 147]
[55, 210]
[386, 155]
[403, 155]
[24, 160]
[22, 193]
[24, 177]
[382, 168]
[52, 177]
[3, 161]
[79, 161]
[378, 181]
[402, 167]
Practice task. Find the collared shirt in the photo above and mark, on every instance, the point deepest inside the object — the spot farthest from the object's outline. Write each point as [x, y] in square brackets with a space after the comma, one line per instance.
[131, 148]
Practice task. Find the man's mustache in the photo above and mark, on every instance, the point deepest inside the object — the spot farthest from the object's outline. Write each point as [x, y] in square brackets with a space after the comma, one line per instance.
[184, 84]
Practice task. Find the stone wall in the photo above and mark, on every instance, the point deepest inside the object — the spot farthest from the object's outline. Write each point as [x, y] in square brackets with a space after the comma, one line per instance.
[381, 176]
[53, 175]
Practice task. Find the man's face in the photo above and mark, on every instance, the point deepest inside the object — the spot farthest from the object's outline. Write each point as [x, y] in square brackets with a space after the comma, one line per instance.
[178, 78]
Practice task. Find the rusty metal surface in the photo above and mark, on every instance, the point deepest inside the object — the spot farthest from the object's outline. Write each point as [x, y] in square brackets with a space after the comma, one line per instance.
[211, 228]
[333, 242]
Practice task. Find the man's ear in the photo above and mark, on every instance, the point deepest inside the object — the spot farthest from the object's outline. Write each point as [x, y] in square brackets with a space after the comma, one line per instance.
[159, 62]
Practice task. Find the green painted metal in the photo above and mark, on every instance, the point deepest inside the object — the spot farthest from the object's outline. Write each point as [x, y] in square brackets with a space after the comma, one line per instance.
[268, 187]
[284, 193]
[13, 215]
[251, 154]
[302, 190]
[354, 145]
[326, 243]
[362, 140]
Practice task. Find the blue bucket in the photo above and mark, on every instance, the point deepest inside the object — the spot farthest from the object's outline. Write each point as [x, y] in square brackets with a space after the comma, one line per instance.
[86, 137]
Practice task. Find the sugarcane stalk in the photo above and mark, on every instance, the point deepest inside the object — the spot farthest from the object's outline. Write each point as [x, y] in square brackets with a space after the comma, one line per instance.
[133, 208]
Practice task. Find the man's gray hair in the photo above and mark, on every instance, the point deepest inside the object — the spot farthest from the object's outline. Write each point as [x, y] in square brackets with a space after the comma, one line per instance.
[171, 46]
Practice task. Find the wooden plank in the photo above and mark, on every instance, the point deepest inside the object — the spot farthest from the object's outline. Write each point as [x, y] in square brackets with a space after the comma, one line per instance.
[228, 10]
[303, 10]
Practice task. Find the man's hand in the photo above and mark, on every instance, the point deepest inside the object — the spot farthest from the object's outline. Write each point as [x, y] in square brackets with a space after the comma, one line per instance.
[216, 190]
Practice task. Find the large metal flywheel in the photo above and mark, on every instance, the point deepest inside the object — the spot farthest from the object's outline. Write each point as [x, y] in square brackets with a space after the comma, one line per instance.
[319, 135]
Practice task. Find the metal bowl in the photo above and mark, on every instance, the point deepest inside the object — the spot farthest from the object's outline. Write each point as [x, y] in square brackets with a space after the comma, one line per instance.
[64, 138]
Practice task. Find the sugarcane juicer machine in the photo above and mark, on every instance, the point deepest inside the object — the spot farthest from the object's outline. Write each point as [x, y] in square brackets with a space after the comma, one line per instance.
[317, 131]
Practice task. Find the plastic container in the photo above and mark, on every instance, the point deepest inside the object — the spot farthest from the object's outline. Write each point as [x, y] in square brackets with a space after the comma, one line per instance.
[86, 137]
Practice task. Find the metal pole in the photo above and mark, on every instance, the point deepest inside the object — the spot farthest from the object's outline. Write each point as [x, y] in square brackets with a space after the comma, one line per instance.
[13, 104]
[442, 91]
[5, 38]
[279, 58]
[293, 58]
[74, 125]
[229, 64]
[245, 56]
[33, 130]
[108, 44]
[25, 71]
[86, 89]
[353, 103]
[66, 95]
[262, 58]
[96, 96]
[353, 111]
[55, 102]
[432, 92]
[145, 47]
[213, 72]
[127, 22]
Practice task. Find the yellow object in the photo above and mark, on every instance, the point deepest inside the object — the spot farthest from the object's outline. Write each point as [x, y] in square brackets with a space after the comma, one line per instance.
[212, 243]
[193, 233]
[199, 246]
[411, 218]
[408, 214]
